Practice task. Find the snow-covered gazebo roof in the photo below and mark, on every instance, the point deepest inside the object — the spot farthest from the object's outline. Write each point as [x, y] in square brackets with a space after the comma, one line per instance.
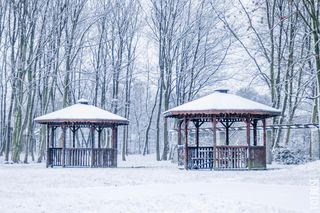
[82, 113]
[222, 103]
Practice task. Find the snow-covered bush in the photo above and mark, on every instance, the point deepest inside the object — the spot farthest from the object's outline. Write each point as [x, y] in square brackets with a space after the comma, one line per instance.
[295, 154]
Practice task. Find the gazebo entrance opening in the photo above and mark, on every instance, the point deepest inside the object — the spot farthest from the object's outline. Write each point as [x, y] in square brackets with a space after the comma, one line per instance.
[230, 149]
[83, 145]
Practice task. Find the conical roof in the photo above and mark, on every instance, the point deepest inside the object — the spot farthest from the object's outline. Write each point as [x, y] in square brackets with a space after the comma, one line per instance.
[221, 102]
[81, 112]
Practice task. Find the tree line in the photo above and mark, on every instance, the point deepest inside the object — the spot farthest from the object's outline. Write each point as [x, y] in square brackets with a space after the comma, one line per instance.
[140, 58]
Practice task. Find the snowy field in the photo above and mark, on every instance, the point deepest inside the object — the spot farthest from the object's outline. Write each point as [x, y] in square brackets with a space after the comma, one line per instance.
[143, 185]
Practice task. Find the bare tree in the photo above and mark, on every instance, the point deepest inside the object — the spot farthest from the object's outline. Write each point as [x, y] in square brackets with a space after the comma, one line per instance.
[278, 50]
[190, 52]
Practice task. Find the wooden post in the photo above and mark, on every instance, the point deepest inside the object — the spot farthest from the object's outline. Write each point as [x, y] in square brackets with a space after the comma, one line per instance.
[265, 140]
[180, 148]
[73, 136]
[248, 141]
[63, 145]
[115, 146]
[264, 133]
[99, 137]
[47, 145]
[52, 136]
[227, 132]
[214, 130]
[179, 132]
[52, 144]
[92, 145]
[255, 138]
[197, 136]
[186, 143]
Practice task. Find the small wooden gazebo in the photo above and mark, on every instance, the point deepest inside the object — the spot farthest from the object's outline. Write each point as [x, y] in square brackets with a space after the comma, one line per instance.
[64, 151]
[224, 109]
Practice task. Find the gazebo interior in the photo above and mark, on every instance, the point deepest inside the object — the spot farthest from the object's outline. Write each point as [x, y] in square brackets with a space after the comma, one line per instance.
[77, 136]
[229, 114]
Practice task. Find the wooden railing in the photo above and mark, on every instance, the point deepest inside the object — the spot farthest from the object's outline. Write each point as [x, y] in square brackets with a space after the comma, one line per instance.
[75, 157]
[104, 157]
[200, 158]
[224, 157]
[82, 157]
[55, 157]
[231, 157]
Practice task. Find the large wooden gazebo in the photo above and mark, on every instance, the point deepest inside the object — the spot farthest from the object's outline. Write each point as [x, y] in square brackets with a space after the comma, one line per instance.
[62, 149]
[224, 109]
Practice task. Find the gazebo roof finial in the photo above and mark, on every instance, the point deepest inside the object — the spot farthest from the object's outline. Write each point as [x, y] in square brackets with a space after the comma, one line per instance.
[83, 101]
[222, 90]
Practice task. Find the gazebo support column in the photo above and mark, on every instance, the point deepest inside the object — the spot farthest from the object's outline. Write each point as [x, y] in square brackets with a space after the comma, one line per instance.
[180, 150]
[214, 131]
[227, 132]
[248, 141]
[255, 138]
[99, 137]
[196, 124]
[47, 146]
[265, 140]
[52, 145]
[63, 145]
[115, 146]
[73, 129]
[92, 129]
[52, 136]
[227, 126]
[186, 143]
[179, 132]
[264, 132]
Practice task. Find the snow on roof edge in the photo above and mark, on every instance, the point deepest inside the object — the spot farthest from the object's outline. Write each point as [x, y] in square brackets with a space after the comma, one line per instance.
[81, 112]
[222, 103]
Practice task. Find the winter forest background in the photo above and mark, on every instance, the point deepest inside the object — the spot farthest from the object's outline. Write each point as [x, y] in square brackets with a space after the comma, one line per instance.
[140, 58]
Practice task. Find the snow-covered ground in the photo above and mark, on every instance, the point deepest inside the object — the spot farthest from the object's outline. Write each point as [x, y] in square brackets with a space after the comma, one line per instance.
[143, 185]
